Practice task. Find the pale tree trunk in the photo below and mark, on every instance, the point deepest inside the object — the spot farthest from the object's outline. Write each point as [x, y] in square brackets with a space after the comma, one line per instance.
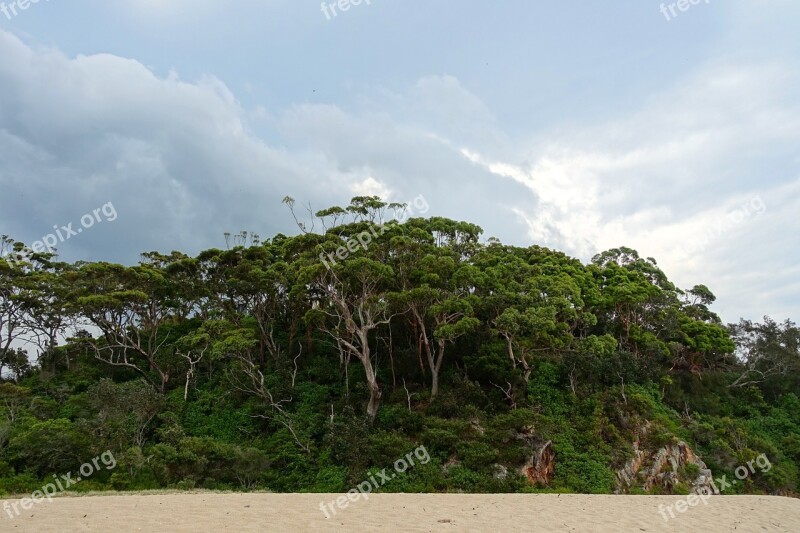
[372, 379]
[434, 359]
[358, 345]
[374, 399]
[436, 368]
[355, 315]
[522, 359]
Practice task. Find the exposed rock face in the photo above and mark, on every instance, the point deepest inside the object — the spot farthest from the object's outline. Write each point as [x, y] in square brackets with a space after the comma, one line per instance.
[541, 466]
[663, 469]
[500, 471]
[651, 469]
[626, 476]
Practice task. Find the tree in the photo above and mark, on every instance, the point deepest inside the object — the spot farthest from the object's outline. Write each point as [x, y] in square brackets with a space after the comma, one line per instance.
[353, 306]
[238, 346]
[627, 297]
[436, 283]
[534, 302]
[193, 348]
[14, 301]
[441, 309]
[125, 411]
[13, 400]
[768, 351]
[700, 345]
[48, 317]
[17, 362]
[130, 308]
[257, 284]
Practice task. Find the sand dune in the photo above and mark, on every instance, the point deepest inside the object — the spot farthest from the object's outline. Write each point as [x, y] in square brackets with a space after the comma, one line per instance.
[403, 512]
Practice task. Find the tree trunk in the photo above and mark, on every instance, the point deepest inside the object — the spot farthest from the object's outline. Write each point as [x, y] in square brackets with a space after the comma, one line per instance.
[374, 390]
[372, 378]
[164, 381]
[436, 367]
[374, 400]
[418, 336]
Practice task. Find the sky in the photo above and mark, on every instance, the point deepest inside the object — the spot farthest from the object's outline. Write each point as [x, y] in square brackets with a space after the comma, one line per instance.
[581, 126]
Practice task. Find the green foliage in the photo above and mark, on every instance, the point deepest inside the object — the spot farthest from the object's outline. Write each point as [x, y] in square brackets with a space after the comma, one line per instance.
[477, 456]
[331, 479]
[212, 416]
[49, 446]
[312, 362]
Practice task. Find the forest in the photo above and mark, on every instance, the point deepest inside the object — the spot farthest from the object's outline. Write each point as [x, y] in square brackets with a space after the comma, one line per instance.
[307, 363]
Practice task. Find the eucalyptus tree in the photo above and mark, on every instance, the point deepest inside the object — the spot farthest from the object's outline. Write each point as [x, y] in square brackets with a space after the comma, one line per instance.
[131, 307]
[700, 345]
[13, 305]
[13, 310]
[353, 308]
[349, 298]
[184, 289]
[31, 306]
[623, 304]
[369, 209]
[17, 362]
[193, 348]
[535, 302]
[49, 318]
[696, 303]
[769, 351]
[436, 285]
[252, 284]
[237, 348]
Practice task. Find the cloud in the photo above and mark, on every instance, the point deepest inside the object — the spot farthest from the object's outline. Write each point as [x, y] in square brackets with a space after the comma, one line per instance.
[371, 187]
[176, 158]
[182, 163]
[665, 179]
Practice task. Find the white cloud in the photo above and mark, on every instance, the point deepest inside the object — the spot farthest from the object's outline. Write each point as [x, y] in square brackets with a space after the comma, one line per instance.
[661, 178]
[371, 187]
[182, 164]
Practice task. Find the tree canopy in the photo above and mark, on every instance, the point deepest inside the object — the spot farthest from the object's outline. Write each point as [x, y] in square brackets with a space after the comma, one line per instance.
[299, 362]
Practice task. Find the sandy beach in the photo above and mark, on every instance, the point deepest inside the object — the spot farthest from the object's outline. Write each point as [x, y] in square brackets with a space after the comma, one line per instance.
[406, 512]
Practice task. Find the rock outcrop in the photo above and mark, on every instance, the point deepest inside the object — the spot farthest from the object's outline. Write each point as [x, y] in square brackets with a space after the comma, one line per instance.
[663, 469]
[540, 466]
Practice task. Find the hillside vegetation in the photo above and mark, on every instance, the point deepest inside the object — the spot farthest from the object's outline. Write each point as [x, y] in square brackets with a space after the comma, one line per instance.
[311, 362]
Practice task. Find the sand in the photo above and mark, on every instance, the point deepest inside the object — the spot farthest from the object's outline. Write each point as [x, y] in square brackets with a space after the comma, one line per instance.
[207, 511]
